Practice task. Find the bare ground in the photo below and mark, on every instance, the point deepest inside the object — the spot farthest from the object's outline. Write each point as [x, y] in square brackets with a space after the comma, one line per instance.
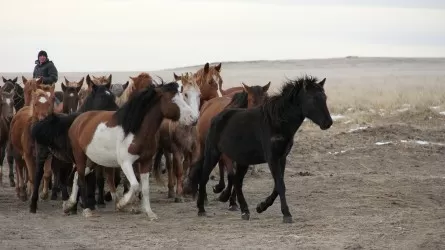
[344, 191]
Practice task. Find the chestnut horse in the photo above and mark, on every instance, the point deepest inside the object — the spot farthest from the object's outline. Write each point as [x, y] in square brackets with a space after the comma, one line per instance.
[42, 103]
[251, 97]
[208, 79]
[7, 112]
[127, 136]
[137, 84]
[179, 140]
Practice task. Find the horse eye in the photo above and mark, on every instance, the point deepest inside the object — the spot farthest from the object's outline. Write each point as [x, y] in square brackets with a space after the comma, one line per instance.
[186, 95]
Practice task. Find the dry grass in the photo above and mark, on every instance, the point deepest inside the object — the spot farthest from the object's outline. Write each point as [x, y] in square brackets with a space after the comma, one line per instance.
[367, 98]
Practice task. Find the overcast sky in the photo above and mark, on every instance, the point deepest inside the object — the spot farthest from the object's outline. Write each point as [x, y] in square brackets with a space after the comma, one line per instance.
[138, 35]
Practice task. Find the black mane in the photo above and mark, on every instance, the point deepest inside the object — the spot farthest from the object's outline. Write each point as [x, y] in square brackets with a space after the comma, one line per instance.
[132, 113]
[100, 98]
[275, 106]
[239, 100]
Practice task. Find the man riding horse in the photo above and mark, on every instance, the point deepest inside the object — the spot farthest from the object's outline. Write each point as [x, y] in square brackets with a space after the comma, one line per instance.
[47, 70]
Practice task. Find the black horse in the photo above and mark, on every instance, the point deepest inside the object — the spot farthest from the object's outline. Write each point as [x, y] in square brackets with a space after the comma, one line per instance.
[18, 101]
[259, 135]
[51, 136]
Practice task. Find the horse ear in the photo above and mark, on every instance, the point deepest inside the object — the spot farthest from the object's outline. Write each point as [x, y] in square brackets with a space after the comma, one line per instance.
[218, 67]
[78, 89]
[245, 87]
[14, 80]
[88, 80]
[266, 87]
[80, 83]
[322, 82]
[109, 80]
[206, 68]
[40, 80]
[63, 87]
[4, 80]
[52, 88]
[124, 87]
[66, 80]
[177, 78]
[24, 80]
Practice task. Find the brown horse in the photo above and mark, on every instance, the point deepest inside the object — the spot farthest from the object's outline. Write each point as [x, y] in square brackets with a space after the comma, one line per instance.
[71, 95]
[251, 97]
[124, 137]
[7, 112]
[42, 103]
[208, 79]
[179, 140]
[137, 84]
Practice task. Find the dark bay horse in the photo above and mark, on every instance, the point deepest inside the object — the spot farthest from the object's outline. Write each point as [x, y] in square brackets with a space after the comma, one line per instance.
[259, 135]
[127, 136]
[7, 112]
[12, 85]
[251, 96]
[51, 135]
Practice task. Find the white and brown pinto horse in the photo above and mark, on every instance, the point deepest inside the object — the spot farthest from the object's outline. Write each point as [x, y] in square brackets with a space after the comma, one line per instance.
[126, 136]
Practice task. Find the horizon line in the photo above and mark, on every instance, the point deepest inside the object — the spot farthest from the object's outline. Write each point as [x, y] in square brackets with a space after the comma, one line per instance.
[351, 57]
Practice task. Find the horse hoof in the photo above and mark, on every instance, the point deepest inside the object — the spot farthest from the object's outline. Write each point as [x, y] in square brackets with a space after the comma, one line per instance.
[171, 194]
[233, 207]
[33, 209]
[54, 197]
[259, 209]
[245, 216]
[108, 197]
[87, 213]
[218, 188]
[44, 196]
[287, 219]
[224, 197]
[152, 216]
[179, 200]
[201, 214]
[11, 183]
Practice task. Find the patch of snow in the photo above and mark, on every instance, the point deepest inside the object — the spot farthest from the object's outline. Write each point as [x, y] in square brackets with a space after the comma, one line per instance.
[350, 109]
[423, 142]
[358, 128]
[348, 121]
[442, 113]
[337, 117]
[435, 107]
[406, 105]
[383, 143]
[402, 110]
[340, 152]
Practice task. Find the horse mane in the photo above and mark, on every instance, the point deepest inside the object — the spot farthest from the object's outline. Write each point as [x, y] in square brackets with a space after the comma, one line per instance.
[131, 115]
[275, 106]
[129, 90]
[239, 100]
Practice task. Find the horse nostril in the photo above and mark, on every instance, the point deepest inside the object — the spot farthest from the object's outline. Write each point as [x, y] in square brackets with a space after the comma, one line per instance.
[195, 122]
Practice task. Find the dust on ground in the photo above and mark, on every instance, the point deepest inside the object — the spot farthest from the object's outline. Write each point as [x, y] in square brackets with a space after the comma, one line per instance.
[344, 192]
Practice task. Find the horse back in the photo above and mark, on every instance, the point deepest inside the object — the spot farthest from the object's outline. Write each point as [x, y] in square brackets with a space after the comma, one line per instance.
[208, 111]
[82, 130]
[19, 125]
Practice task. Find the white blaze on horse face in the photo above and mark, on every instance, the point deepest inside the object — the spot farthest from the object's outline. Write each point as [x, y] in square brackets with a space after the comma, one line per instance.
[192, 97]
[187, 116]
[71, 95]
[8, 101]
[48, 93]
[42, 99]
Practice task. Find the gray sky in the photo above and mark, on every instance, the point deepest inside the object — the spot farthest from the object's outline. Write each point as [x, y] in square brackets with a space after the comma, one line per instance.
[141, 35]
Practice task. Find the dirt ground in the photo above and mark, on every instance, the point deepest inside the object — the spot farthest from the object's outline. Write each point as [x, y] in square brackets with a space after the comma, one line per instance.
[344, 192]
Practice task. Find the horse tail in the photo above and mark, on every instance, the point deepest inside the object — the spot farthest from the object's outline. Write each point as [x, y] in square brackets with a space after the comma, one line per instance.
[52, 131]
[157, 166]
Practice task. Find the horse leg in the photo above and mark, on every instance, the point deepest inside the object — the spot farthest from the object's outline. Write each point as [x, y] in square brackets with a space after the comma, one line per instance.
[64, 172]
[20, 171]
[171, 178]
[179, 172]
[2, 158]
[212, 157]
[232, 200]
[110, 174]
[57, 177]
[218, 188]
[30, 167]
[277, 168]
[41, 157]
[238, 179]
[82, 171]
[117, 180]
[100, 179]
[10, 159]
[127, 168]
[47, 174]
[145, 178]
[228, 163]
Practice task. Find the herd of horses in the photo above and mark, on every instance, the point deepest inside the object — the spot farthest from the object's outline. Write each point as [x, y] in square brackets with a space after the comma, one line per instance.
[120, 132]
